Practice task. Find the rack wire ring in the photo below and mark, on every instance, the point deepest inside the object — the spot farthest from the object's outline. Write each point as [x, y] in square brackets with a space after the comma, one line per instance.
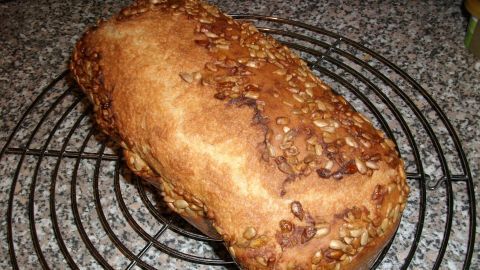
[324, 54]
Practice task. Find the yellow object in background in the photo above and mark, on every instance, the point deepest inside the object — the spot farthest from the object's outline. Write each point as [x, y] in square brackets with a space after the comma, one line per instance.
[472, 39]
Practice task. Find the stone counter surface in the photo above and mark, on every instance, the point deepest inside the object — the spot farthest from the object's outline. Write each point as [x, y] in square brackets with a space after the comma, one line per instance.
[423, 38]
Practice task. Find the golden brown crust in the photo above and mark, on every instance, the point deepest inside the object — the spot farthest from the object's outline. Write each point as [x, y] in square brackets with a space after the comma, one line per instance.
[240, 136]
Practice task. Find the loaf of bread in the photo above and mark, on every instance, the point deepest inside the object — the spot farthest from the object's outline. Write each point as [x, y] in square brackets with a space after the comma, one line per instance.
[242, 139]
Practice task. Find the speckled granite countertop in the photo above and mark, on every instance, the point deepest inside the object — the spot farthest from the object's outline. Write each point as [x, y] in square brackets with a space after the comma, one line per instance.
[424, 38]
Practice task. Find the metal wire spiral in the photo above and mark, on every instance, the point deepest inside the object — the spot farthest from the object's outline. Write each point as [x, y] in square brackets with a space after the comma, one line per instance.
[56, 130]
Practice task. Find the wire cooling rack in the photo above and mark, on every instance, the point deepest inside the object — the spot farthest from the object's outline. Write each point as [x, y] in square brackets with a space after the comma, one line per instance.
[72, 203]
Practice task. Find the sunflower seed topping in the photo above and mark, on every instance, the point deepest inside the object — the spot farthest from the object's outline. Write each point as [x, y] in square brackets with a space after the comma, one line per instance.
[280, 72]
[261, 260]
[210, 34]
[186, 77]
[252, 94]
[364, 238]
[372, 165]
[318, 149]
[329, 165]
[317, 257]
[320, 123]
[351, 142]
[337, 244]
[249, 233]
[360, 166]
[282, 121]
[322, 230]
[298, 98]
[180, 204]
[310, 84]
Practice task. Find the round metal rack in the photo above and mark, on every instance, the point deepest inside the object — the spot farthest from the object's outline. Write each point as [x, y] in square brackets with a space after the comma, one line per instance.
[73, 204]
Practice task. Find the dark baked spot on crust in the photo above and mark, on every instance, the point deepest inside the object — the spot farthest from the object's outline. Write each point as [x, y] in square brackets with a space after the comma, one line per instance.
[297, 210]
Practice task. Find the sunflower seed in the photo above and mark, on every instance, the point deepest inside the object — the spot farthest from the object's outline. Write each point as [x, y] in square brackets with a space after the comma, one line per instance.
[252, 64]
[232, 251]
[309, 92]
[205, 20]
[279, 56]
[321, 106]
[310, 84]
[309, 158]
[317, 257]
[333, 254]
[261, 260]
[292, 151]
[365, 143]
[389, 212]
[328, 137]
[259, 242]
[180, 204]
[190, 212]
[293, 90]
[324, 173]
[331, 149]
[282, 121]
[322, 230]
[329, 129]
[390, 143]
[336, 244]
[285, 168]
[357, 118]
[301, 72]
[364, 238]
[261, 54]
[195, 207]
[366, 119]
[210, 34]
[305, 109]
[223, 46]
[356, 233]
[396, 213]
[329, 165]
[312, 140]
[271, 150]
[285, 226]
[197, 76]
[401, 172]
[372, 165]
[351, 142]
[186, 77]
[286, 145]
[297, 209]
[347, 240]
[298, 98]
[287, 103]
[249, 233]
[168, 199]
[318, 149]
[320, 123]
[297, 112]
[360, 166]
[252, 94]
[210, 66]
[280, 72]
[270, 55]
[384, 225]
